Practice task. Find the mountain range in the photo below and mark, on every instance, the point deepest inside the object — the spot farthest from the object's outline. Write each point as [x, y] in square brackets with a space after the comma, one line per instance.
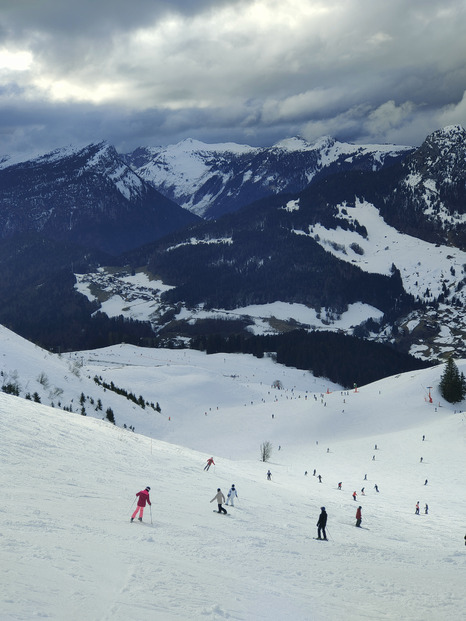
[366, 240]
[86, 196]
[211, 180]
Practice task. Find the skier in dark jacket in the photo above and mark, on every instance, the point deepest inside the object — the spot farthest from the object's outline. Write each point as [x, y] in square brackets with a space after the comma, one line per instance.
[358, 517]
[143, 497]
[321, 524]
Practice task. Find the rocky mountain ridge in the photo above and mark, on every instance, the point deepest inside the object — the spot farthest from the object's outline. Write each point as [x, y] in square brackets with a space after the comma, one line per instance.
[88, 196]
[211, 180]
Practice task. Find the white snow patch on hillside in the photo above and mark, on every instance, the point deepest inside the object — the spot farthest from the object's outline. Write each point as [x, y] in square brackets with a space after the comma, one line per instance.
[292, 206]
[284, 311]
[194, 241]
[422, 265]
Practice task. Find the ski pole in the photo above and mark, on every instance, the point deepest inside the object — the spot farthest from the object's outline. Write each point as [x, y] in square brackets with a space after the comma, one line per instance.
[132, 504]
[328, 534]
[150, 514]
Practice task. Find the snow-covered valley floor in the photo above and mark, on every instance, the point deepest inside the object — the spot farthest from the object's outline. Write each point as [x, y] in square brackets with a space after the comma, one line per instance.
[69, 551]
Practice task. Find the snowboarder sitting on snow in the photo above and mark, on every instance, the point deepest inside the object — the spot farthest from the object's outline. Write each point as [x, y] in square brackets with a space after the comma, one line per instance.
[209, 463]
[143, 497]
[322, 523]
[358, 517]
[231, 496]
[220, 498]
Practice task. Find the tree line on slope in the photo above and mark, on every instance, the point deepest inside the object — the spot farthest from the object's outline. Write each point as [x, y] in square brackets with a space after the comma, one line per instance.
[345, 360]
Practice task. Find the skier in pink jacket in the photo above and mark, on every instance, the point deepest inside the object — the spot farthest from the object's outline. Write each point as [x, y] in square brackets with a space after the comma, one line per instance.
[143, 497]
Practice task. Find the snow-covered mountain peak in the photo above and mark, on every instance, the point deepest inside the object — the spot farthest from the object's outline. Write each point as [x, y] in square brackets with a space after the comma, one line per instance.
[450, 132]
[190, 145]
[296, 143]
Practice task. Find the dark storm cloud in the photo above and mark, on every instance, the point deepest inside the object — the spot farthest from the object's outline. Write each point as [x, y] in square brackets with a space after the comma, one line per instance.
[255, 71]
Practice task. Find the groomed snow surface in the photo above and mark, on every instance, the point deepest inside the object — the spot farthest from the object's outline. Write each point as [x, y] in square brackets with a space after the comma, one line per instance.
[69, 551]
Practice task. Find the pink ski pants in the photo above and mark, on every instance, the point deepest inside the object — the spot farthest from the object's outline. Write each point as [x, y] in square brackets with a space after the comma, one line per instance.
[141, 511]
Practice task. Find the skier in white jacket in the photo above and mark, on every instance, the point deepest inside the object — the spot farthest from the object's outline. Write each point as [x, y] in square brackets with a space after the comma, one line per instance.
[231, 496]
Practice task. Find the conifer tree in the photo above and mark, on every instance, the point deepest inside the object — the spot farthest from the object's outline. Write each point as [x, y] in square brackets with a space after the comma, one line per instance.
[452, 383]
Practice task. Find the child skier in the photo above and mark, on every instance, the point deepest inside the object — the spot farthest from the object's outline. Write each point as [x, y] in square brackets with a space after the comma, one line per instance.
[231, 496]
[143, 497]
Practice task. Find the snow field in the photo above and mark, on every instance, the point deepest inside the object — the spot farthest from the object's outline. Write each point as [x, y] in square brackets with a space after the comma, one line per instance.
[69, 482]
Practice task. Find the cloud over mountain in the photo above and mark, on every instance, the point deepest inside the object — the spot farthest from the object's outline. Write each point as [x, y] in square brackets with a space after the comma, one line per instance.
[216, 70]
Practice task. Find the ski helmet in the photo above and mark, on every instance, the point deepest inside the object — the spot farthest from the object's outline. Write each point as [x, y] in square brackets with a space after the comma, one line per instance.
[233, 485]
[218, 489]
[322, 508]
[148, 489]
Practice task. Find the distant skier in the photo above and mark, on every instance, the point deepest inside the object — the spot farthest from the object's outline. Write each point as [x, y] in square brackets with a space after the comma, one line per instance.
[339, 485]
[423, 438]
[362, 491]
[305, 473]
[354, 495]
[231, 496]
[426, 509]
[421, 460]
[425, 482]
[143, 498]
[314, 473]
[320, 478]
[365, 477]
[220, 498]
[376, 487]
[321, 524]
[417, 508]
[209, 463]
[269, 475]
[358, 516]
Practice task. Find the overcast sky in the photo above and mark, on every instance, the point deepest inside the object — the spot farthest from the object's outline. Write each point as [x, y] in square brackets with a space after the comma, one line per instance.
[153, 72]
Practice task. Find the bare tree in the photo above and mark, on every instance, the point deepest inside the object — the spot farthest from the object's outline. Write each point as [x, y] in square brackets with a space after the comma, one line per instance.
[266, 450]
